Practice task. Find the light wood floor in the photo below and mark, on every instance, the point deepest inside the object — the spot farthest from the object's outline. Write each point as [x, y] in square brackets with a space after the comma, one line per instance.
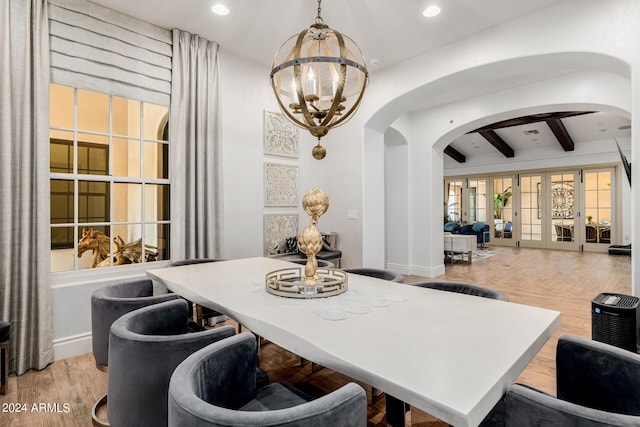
[558, 280]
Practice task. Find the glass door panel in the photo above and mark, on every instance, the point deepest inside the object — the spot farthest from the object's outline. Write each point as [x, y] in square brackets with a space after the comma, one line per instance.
[531, 211]
[562, 198]
[503, 214]
[453, 201]
[477, 200]
[598, 219]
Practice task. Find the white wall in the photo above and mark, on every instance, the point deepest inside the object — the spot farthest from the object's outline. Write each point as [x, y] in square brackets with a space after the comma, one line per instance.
[569, 37]
[396, 201]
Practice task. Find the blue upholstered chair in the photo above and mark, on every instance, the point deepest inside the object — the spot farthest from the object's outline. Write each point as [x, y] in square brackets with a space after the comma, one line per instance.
[216, 387]
[597, 385]
[464, 288]
[389, 275]
[146, 346]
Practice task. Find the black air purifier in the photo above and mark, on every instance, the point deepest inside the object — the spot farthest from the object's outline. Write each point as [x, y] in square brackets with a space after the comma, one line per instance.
[615, 319]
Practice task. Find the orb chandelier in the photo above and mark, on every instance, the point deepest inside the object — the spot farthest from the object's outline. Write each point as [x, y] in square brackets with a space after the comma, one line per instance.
[319, 77]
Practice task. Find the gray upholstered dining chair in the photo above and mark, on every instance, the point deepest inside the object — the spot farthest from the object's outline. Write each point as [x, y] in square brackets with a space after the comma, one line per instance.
[216, 387]
[200, 314]
[107, 305]
[112, 301]
[597, 385]
[392, 276]
[464, 288]
[146, 346]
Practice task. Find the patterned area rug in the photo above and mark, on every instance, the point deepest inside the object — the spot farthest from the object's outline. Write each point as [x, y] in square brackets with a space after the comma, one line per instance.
[481, 254]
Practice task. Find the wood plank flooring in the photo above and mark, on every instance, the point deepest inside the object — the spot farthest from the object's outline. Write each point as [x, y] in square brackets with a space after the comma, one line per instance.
[558, 280]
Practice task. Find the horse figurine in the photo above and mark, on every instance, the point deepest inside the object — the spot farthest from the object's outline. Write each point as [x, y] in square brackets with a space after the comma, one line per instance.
[123, 253]
[96, 241]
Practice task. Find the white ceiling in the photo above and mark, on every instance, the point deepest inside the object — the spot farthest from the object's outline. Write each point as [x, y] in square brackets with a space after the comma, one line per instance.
[386, 30]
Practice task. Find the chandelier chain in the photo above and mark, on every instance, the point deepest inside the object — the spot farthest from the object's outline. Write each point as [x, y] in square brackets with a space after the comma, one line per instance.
[319, 19]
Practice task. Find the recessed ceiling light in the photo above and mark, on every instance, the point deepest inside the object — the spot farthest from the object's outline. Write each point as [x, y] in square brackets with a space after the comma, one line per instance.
[431, 11]
[220, 9]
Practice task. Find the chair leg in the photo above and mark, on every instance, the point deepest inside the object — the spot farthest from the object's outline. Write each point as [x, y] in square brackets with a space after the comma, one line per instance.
[97, 422]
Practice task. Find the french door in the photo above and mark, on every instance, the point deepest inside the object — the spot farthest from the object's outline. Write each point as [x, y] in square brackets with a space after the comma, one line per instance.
[571, 210]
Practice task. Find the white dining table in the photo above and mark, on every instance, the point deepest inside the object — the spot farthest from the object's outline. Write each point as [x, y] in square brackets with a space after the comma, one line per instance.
[450, 355]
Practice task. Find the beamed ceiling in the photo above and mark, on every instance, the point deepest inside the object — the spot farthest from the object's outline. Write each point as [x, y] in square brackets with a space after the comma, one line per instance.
[564, 129]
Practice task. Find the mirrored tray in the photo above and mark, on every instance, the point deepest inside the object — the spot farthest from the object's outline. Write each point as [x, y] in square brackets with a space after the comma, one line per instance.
[289, 282]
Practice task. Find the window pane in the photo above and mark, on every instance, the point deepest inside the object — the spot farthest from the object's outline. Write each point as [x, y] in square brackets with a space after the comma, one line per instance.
[128, 244]
[155, 119]
[93, 201]
[62, 238]
[93, 154]
[61, 152]
[126, 157]
[93, 111]
[93, 246]
[156, 202]
[61, 201]
[156, 160]
[127, 202]
[126, 116]
[157, 238]
[61, 111]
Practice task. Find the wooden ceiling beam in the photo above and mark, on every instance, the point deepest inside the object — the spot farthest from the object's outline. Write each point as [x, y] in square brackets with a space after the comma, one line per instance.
[561, 134]
[500, 144]
[455, 154]
[534, 118]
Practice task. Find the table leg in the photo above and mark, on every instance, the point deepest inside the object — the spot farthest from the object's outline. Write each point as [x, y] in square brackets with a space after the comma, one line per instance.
[396, 410]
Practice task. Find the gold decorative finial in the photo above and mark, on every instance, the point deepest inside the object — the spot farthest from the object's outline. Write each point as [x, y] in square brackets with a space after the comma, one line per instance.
[315, 203]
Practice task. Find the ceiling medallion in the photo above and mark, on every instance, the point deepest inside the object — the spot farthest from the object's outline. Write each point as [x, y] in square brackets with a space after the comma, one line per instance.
[319, 77]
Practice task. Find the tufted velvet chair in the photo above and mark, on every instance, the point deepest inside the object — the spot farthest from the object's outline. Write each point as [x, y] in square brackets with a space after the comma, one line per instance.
[377, 273]
[597, 385]
[146, 346]
[216, 387]
[464, 288]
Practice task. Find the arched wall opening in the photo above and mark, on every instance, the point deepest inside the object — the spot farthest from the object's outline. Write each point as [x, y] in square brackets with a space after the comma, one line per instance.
[606, 86]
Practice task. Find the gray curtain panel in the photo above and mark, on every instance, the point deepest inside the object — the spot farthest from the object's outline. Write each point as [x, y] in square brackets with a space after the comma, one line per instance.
[25, 294]
[194, 129]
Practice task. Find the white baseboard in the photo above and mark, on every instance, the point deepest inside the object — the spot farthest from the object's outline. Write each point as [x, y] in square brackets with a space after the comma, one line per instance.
[70, 346]
[429, 272]
[414, 270]
[398, 268]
